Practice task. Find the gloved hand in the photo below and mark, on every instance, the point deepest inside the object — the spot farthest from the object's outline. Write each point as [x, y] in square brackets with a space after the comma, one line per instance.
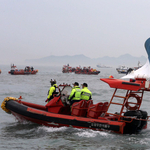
[46, 100]
[68, 101]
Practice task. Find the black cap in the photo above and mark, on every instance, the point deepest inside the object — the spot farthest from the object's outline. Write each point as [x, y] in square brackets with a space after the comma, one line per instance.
[85, 84]
[76, 83]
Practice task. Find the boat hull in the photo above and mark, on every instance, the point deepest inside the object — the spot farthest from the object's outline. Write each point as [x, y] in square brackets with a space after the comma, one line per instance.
[43, 117]
[22, 72]
[88, 73]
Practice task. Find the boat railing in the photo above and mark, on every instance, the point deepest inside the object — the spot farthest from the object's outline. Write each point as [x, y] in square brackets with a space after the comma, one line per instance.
[125, 102]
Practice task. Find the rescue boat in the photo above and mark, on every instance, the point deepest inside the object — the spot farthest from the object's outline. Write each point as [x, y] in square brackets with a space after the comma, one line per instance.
[67, 69]
[86, 70]
[79, 70]
[84, 114]
[28, 70]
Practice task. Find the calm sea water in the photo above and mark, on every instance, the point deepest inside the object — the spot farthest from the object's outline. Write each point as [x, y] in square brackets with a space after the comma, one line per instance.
[33, 88]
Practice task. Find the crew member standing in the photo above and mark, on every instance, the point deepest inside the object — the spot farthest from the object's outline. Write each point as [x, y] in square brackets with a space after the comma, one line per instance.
[85, 92]
[75, 95]
[53, 90]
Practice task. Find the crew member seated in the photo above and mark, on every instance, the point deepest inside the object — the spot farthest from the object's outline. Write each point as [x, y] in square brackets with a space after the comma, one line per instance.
[85, 92]
[75, 95]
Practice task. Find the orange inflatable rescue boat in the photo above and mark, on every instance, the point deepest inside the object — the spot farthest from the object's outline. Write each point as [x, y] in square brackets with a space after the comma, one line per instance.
[27, 71]
[128, 119]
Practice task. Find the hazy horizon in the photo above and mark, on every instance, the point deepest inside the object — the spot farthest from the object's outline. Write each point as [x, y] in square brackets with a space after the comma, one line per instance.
[34, 29]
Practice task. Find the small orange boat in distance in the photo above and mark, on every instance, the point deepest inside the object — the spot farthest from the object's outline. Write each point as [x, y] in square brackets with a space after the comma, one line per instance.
[28, 70]
[79, 70]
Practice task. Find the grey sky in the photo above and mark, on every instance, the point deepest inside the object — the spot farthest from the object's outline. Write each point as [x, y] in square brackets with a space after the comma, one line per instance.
[95, 28]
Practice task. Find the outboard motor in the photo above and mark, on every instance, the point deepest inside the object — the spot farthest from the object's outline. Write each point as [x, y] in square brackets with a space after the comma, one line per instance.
[143, 123]
[134, 126]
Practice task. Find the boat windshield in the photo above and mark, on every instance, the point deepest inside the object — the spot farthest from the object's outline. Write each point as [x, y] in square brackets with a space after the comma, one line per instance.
[66, 91]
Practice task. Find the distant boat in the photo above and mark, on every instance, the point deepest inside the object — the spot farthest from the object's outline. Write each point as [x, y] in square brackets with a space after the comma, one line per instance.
[86, 70]
[67, 69]
[28, 70]
[122, 69]
[79, 70]
[126, 70]
[103, 66]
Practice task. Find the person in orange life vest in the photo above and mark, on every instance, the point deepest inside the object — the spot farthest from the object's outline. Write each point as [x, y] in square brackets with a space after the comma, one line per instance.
[75, 94]
[85, 92]
[53, 90]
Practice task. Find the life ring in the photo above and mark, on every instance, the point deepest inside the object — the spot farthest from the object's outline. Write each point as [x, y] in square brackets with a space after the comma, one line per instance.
[138, 98]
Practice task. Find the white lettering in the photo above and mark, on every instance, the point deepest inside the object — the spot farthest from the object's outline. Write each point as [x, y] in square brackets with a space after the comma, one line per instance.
[106, 126]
